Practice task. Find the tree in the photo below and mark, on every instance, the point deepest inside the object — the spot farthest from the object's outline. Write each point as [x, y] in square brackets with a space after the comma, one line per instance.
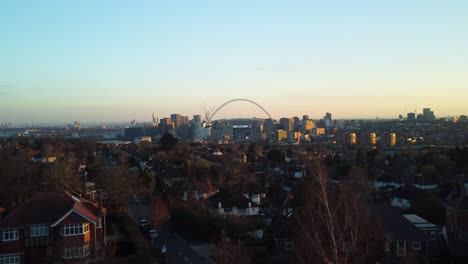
[276, 156]
[168, 141]
[159, 212]
[332, 223]
[230, 252]
[117, 182]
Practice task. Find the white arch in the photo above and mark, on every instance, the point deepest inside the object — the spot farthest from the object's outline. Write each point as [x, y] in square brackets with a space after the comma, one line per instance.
[236, 100]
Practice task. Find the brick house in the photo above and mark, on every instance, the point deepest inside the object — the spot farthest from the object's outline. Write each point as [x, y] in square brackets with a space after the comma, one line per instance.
[53, 227]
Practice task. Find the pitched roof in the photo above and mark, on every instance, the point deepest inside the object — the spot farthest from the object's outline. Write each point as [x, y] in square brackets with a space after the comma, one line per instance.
[229, 200]
[49, 207]
[396, 226]
[408, 192]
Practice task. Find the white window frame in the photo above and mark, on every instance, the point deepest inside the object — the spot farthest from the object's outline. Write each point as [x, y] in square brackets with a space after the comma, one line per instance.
[10, 259]
[417, 245]
[38, 230]
[10, 235]
[74, 229]
[76, 252]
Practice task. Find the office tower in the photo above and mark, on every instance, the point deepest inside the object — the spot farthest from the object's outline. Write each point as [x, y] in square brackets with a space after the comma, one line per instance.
[154, 119]
[351, 138]
[296, 123]
[428, 114]
[373, 138]
[308, 126]
[197, 120]
[328, 119]
[390, 139]
[305, 117]
[411, 116]
[287, 124]
[165, 125]
[269, 127]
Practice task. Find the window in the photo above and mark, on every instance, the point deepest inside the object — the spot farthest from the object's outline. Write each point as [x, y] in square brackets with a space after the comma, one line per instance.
[227, 210]
[10, 259]
[401, 248]
[9, 235]
[38, 230]
[289, 244]
[417, 245]
[76, 252]
[75, 229]
[387, 246]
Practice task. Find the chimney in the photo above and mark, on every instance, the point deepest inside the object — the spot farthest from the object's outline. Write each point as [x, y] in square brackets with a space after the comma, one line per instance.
[100, 201]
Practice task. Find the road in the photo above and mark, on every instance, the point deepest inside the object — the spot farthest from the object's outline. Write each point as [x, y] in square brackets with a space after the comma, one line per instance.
[178, 250]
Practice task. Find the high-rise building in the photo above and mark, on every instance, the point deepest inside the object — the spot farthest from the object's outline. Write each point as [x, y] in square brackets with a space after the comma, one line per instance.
[269, 127]
[351, 138]
[328, 119]
[373, 138]
[308, 126]
[411, 116]
[287, 124]
[296, 123]
[428, 114]
[390, 139]
[154, 120]
[305, 117]
[165, 125]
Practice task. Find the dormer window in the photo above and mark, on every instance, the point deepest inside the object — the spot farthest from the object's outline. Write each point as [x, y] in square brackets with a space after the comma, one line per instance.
[74, 229]
[9, 235]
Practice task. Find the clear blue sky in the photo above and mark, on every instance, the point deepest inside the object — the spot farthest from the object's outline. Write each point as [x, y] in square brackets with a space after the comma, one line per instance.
[119, 60]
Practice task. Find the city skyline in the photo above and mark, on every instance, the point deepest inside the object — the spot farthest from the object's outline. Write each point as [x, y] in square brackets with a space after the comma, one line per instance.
[114, 61]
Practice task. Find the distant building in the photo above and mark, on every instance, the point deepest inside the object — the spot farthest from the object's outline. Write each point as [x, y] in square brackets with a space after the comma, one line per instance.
[165, 125]
[287, 124]
[296, 123]
[269, 127]
[390, 139]
[351, 138]
[155, 120]
[281, 135]
[307, 126]
[138, 140]
[320, 131]
[428, 114]
[328, 120]
[130, 133]
[411, 116]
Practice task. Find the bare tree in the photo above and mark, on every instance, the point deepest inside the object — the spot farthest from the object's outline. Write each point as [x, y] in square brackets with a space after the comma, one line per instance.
[330, 221]
[230, 252]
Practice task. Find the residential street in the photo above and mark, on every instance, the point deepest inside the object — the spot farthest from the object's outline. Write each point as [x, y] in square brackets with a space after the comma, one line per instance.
[178, 250]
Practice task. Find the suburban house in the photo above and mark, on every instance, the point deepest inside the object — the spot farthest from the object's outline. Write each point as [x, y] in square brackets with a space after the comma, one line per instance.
[423, 225]
[54, 227]
[226, 203]
[255, 192]
[403, 239]
[405, 195]
[193, 189]
[457, 219]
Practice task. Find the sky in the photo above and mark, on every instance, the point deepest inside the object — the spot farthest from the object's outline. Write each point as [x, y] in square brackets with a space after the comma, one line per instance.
[109, 61]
